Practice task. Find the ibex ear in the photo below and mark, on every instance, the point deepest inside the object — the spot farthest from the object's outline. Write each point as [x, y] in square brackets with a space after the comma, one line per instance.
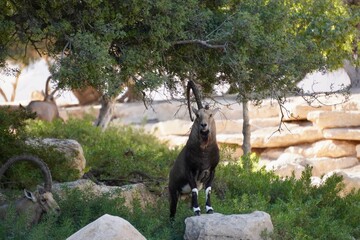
[29, 195]
[195, 110]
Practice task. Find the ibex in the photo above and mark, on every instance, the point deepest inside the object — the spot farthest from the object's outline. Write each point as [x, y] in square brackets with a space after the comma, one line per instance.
[34, 204]
[47, 109]
[194, 168]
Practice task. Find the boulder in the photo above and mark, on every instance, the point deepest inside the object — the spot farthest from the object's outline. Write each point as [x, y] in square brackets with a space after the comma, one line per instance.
[334, 119]
[70, 148]
[237, 226]
[108, 227]
[130, 193]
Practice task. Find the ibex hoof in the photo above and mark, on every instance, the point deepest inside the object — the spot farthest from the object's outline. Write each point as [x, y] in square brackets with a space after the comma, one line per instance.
[197, 213]
[210, 211]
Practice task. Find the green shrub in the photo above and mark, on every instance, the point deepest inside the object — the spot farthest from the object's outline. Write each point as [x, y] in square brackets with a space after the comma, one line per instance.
[116, 155]
[298, 209]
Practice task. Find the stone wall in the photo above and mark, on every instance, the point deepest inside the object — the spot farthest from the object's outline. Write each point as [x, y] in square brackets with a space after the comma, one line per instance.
[325, 135]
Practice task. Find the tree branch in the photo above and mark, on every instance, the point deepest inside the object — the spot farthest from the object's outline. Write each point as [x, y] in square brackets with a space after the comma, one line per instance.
[201, 42]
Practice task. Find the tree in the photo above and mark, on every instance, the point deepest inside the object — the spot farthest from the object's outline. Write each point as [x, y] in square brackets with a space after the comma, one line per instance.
[262, 48]
[93, 40]
[351, 64]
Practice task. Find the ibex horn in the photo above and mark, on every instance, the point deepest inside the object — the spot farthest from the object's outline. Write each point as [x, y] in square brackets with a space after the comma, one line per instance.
[191, 85]
[40, 163]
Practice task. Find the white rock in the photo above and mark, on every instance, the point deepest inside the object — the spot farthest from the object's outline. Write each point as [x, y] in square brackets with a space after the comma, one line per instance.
[70, 148]
[218, 226]
[325, 148]
[324, 165]
[172, 127]
[351, 178]
[267, 109]
[271, 153]
[258, 123]
[130, 193]
[108, 227]
[287, 164]
[292, 135]
[300, 112]
[342, 133]
[334, 119]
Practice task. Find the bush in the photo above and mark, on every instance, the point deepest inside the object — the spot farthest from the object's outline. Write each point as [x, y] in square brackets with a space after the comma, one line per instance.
[298, 209]
[115, 156]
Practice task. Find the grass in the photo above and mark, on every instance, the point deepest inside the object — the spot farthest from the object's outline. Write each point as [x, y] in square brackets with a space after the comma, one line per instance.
[298, 210]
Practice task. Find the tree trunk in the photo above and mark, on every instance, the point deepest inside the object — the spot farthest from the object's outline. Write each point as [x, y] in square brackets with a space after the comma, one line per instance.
[106, 112]
[354, 74]
[246, 147]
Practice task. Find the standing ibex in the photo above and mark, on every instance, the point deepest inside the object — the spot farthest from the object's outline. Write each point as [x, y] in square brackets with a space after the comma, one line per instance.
[34, 204]
[47, 109]
[194, 168]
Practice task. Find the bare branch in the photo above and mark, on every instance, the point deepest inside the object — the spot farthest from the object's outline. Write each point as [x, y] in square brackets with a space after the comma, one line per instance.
[201, 42]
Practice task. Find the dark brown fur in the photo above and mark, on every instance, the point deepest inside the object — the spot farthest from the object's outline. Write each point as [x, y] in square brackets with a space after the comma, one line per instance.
[196, 163]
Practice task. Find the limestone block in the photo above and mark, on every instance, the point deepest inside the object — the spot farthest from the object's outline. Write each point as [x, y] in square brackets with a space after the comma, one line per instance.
[236, 138]
[322, 166]
[258, 123]
[342, 133]
[267, 109]
[300, 112]
[172, 127]
[325, 148]
[108, 227]
[237, 226]
[334, 119]
[292, 135]
[272, 153]
[229, 126]
[358, 151]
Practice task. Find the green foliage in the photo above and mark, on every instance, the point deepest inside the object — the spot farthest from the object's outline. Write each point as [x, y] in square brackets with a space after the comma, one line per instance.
[298, 209]
[116, 154]
[12, 142]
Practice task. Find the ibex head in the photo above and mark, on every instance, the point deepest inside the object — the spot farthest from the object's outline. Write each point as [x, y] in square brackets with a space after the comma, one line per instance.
[34, 204]
[44, 199]
[204, 125]
[47, 109]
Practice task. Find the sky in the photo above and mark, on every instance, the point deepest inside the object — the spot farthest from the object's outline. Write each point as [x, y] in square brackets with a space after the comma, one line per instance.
[34, 77]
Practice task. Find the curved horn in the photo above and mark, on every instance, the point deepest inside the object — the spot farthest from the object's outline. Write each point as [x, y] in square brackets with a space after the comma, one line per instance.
[47, 86]
[191, 85]
[40, 163]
